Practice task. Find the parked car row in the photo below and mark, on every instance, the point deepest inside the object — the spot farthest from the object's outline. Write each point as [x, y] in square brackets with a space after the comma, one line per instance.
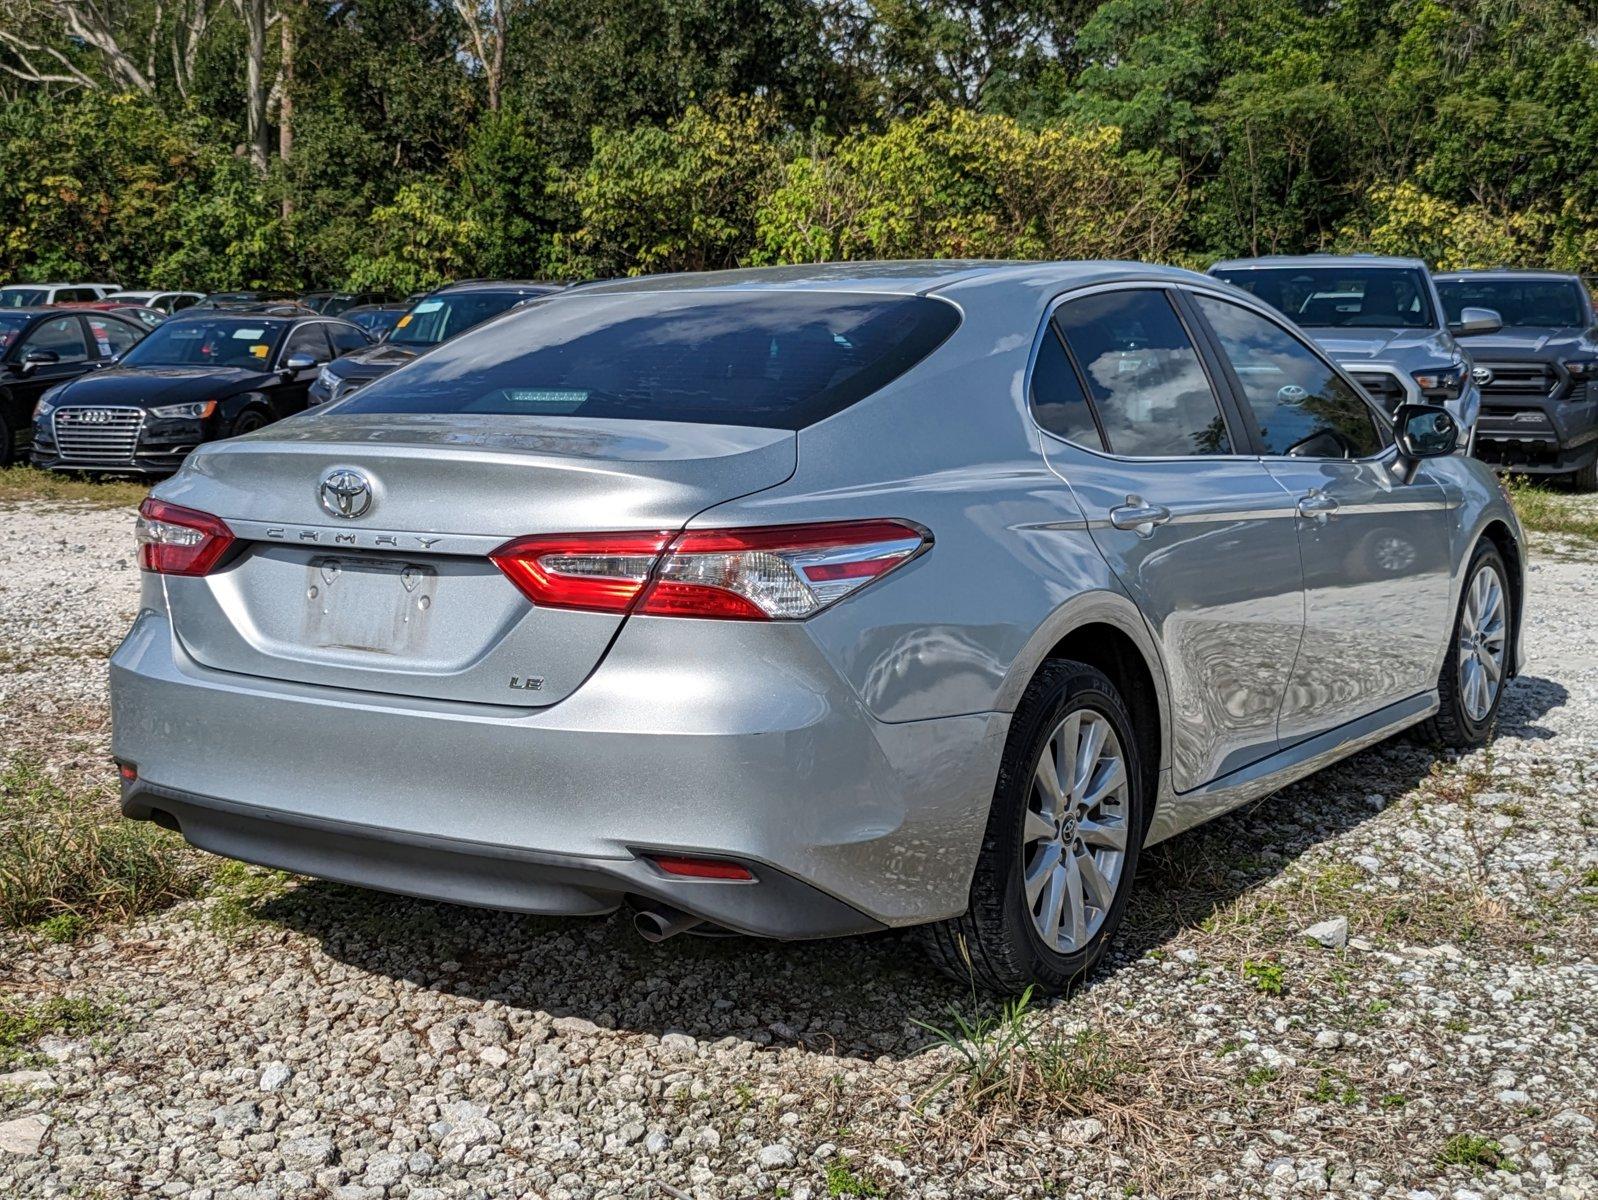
[88, 391]
[813, 600]
[1511, 354]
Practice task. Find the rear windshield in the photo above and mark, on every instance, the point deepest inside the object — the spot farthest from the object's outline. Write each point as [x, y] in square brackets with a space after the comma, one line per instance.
[1354, 297]
[1549, 303]
[779, 360]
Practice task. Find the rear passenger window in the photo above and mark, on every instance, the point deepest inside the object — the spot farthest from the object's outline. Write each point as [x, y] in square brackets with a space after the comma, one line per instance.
[1058, 401]
[1302, 406]
[1148, 387]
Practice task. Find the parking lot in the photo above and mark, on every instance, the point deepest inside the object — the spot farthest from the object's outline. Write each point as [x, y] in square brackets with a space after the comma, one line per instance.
[274, 1037]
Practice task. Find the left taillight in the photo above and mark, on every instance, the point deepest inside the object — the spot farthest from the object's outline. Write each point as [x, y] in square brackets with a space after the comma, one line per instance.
[179, 541]
[768, 573]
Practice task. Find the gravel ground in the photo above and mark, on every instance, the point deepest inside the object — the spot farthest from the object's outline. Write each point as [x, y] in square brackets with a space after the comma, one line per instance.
[290, 1038]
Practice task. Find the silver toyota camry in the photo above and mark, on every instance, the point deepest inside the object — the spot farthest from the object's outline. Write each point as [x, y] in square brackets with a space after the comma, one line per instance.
[811, 601]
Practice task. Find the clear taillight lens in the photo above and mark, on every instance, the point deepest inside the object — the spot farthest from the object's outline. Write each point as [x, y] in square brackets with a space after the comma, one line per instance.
[179, 541]
[786, 572]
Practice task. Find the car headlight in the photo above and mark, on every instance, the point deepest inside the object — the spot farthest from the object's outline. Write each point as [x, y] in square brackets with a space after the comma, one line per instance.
[46, 404]
[1581, 368]
[197, 411]
[326, 378]
[1442, 383]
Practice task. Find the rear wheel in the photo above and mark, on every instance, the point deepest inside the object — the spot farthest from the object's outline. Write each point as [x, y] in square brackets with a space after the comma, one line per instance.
[1471, 687]
[1061, 845]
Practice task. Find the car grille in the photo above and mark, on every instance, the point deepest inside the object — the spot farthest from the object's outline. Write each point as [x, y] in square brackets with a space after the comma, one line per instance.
[1382, 387]
[1519, 379]
[98, 434]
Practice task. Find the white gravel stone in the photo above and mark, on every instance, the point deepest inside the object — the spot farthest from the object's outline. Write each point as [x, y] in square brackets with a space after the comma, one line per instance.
[1332, 933]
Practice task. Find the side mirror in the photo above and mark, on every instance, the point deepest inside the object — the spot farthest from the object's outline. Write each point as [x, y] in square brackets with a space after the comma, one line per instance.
[1473, 322]
[38, 358]
[1423, 431]
[300, 362]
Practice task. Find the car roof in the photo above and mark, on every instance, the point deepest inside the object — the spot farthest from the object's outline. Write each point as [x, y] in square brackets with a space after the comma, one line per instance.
[18, 287]
[81, 309]
[903, 277]
[1507, 273]
[1318, 260]
[497, 285]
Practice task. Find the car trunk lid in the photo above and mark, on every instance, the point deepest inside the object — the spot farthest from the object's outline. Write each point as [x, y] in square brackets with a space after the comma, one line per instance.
[401, 597]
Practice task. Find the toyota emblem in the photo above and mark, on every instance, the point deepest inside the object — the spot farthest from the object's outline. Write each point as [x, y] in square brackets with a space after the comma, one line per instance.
[1482, 376]
[346, 493]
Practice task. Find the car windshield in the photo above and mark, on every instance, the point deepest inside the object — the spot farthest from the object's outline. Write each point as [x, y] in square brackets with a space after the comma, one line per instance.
[1549, 303]
[17, 297]
[202, 343]
[778, 360]
[439, 318]
[1344, 296]
[10, 327]
[373, 320]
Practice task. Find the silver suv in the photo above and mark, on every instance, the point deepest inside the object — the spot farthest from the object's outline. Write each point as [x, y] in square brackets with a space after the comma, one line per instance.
[1381, 319]
[811, 601]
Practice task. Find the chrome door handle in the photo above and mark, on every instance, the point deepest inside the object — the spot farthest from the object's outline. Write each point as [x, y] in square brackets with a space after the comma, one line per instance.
[1316, 505]
[1138, 516]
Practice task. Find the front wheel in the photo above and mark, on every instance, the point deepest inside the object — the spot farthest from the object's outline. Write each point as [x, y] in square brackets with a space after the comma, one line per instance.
[1061, 844]
[7, 442]
[248, 422]
[1471, 687]
[1585, 479]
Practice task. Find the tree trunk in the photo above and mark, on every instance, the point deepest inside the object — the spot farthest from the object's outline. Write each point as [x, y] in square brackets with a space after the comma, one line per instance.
[285, 106]
[257, 135]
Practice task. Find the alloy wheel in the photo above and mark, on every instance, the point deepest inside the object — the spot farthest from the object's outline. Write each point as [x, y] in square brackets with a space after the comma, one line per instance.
[1482, 643]
[1073, 845]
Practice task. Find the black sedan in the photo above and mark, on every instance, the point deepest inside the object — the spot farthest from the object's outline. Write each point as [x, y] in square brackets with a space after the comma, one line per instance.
[435, 318]
[202, 375]
[41, 348]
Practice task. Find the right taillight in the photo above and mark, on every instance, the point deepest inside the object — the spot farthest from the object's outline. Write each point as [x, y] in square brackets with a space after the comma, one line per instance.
[179, 541]
[785, 572]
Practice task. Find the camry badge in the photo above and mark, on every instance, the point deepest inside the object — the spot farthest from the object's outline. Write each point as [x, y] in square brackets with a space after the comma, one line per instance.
[1482, 376]
[345, 493]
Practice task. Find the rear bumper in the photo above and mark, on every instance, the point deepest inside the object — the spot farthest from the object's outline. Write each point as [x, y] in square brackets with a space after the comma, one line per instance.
[508, 878]
[685, 739]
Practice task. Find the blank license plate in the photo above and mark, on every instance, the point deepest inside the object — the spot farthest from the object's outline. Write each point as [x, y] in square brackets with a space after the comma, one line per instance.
[367, 604]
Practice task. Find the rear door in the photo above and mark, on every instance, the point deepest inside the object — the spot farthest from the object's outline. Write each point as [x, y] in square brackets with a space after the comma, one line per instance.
[1198, 532]
[1376, 551]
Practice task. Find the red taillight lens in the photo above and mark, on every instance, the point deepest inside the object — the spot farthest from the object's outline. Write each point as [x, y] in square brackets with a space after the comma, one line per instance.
[700, 868]
[784, 572]
[778, 572]
[179, 541]
[598, 572]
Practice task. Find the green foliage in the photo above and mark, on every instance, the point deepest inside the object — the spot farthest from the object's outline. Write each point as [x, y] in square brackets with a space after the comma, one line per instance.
[957, 184]
[682, 197]
[424, 238]
[642, 135]
[1475, 1151]
[842, 1180]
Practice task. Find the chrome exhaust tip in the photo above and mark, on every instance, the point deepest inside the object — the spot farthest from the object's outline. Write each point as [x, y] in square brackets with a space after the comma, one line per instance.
[658, 922]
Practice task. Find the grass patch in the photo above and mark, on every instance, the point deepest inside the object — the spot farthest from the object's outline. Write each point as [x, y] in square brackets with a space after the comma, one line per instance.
[1008, 1061]
[1544, 510]
[22, 1024]
[68, 860]
[28, 483]
[1474, 1151]
[843, 1181]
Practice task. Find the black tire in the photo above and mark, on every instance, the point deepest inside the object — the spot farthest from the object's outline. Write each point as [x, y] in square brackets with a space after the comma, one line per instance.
[247, 422]
[1585, 479]
[7, 443]
[995, 944]
[1453, 725]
